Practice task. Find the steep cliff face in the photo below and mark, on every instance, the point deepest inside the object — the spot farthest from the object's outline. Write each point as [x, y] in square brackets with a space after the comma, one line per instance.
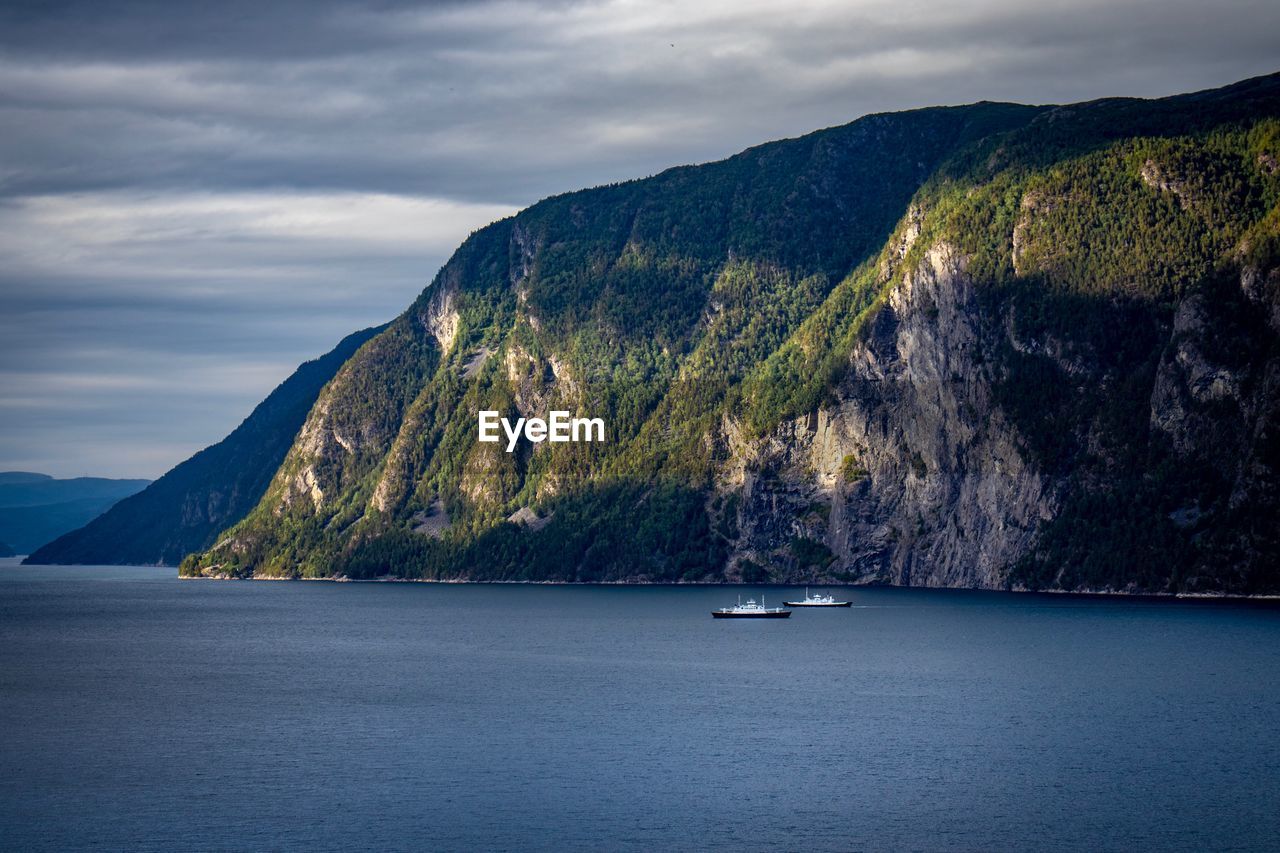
[911, 476]
[1215, 404]
[915, 475]
[990, 346]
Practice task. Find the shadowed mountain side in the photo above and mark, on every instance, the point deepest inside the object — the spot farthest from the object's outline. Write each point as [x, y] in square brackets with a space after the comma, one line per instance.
[183, 511]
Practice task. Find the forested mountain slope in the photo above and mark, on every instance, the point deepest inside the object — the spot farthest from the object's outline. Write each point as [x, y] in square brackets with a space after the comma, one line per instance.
[985, 346]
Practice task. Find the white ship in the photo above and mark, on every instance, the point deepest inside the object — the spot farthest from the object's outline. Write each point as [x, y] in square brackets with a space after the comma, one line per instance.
[817, 601]
[750, 610]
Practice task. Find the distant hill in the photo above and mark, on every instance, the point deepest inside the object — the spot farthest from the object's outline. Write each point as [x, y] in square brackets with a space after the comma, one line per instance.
[6, 551]
[43, 490]
[11, 477]
[184, 510]
[36, 508]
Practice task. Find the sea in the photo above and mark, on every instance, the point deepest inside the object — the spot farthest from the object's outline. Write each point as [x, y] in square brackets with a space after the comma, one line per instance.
[143, 712]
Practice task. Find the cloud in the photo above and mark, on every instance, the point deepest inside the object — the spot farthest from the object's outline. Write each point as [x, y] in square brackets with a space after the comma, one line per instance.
[249, 181]
[131, 319]
[228, 237]
[505, 102]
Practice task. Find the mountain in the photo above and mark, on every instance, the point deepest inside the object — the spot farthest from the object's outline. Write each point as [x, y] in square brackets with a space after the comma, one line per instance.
[23, 489]
[991, 346]
[35, 508]
[11, 478]
[182, 511]
[6, 550]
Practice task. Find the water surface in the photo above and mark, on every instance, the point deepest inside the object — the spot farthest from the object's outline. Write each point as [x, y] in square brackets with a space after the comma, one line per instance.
[141, 712]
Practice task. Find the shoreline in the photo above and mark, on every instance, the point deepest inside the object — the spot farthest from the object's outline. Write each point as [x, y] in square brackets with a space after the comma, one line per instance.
[1162, 596]
[15, 562]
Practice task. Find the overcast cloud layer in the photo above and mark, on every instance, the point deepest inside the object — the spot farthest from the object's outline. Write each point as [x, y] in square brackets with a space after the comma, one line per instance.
[195, 197]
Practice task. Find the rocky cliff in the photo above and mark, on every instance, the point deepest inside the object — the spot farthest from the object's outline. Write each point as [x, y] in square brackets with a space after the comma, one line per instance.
[900, 478]
[991, 346]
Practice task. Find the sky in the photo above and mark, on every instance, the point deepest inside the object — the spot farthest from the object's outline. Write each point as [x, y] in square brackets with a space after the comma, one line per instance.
[196, 197]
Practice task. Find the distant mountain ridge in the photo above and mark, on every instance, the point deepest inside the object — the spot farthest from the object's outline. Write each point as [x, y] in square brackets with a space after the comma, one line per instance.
[12, 477]
[36, 508]
[182, 511]
[994, 346]
[20, 488]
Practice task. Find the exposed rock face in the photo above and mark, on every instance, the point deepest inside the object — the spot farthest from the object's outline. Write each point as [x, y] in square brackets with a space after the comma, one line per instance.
[441, 315]
[1158, 177]
[1225, 418]
[1262, 288]
[1188, 381]
[317, 441]
[528, 518]
[1032, 204]
[902, 242]
[940, 497]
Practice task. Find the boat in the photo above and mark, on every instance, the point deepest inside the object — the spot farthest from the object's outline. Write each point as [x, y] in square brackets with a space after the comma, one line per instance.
[750, 610]
[817, 601]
